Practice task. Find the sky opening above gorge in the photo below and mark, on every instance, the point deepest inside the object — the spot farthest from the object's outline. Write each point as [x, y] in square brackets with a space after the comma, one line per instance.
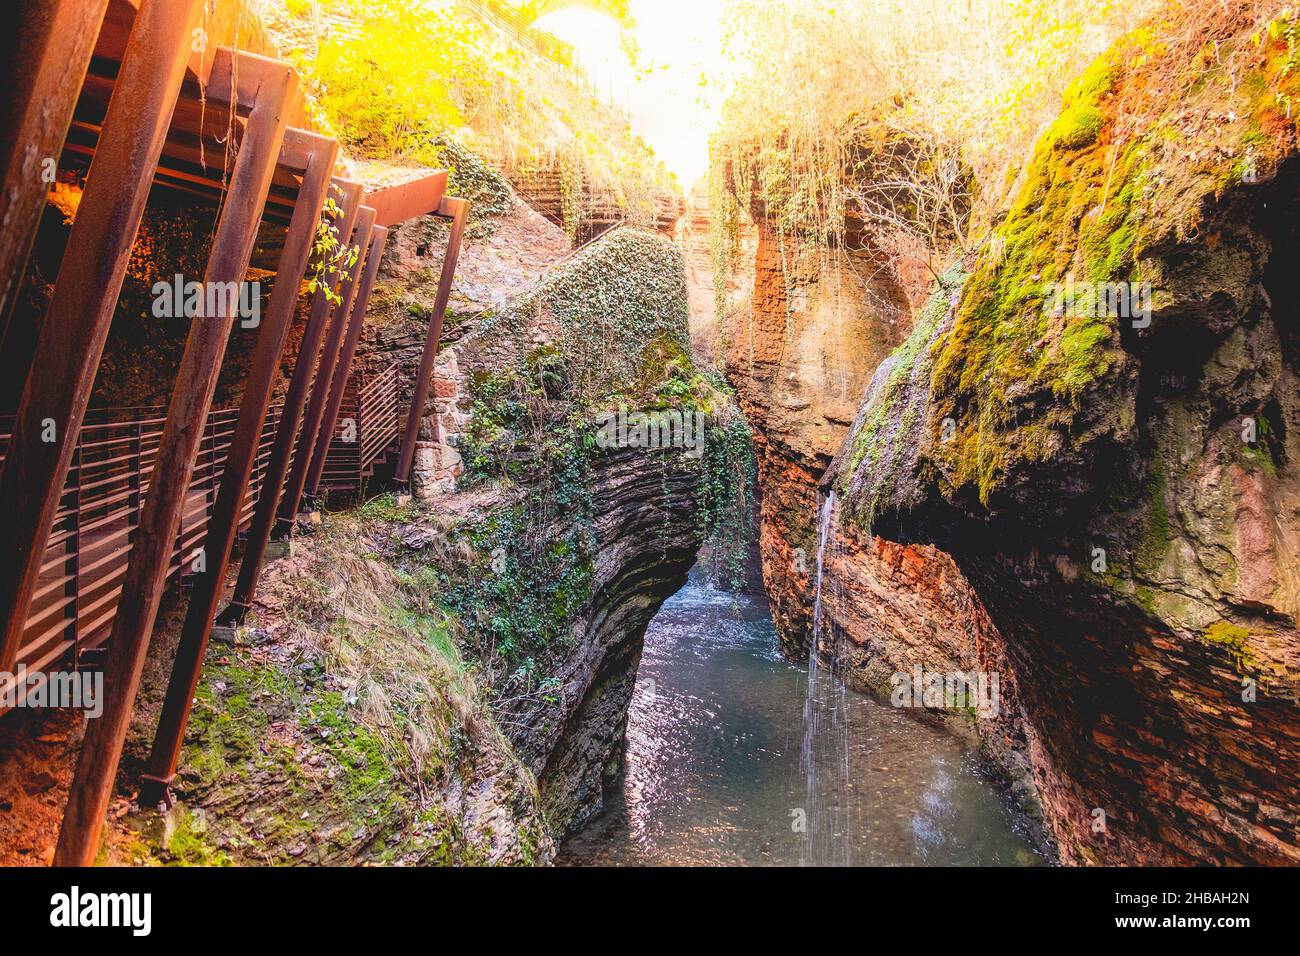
[673, 93]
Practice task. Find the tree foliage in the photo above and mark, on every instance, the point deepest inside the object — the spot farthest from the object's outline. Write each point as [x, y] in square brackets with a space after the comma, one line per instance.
[419, 81]
[913, 115]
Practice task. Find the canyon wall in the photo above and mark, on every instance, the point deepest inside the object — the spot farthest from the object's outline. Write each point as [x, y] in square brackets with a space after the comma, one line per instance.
[523, 588]
[705, 288]
[1118, 482]
[801, 349]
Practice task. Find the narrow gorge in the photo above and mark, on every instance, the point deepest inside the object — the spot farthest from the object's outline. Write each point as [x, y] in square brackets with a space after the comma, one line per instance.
[450, 433]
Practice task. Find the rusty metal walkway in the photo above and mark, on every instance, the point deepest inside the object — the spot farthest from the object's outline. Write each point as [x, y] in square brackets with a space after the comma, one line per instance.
[87, 553]
[86, 556]
[101, 515]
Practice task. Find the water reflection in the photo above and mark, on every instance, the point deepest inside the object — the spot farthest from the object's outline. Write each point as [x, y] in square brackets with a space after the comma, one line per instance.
[714, 772]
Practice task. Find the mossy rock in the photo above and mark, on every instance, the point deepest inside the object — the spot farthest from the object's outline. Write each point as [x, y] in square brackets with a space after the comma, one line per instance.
[1038, 385]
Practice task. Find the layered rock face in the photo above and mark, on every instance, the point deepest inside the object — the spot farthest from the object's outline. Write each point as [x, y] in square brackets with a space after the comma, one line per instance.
[800, 353]
[1112, 465]
[693, 236]
[586, 538]
[646, 541]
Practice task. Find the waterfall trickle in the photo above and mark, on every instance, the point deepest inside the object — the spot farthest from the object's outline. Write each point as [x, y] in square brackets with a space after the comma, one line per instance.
[825, 734]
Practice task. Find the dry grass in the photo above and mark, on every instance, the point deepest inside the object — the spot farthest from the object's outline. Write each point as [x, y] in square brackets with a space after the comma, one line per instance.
[380, 633]
[972, 82]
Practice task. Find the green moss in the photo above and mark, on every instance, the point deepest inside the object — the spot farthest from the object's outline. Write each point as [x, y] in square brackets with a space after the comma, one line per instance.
[1078, 126]
[1234, 639]
[1016, 373]
[356, 749]
[1083, 358]
[1157, 535]
[1258, 457]
[1226, 633]
[1093, 83]
[229, 721]
[384, 508]
[881, 439]
[1146, 598]
[188, 845]
[237, 739]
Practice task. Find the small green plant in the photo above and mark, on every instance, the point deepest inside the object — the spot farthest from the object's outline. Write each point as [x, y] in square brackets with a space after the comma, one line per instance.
[726, 505]
[332, 260]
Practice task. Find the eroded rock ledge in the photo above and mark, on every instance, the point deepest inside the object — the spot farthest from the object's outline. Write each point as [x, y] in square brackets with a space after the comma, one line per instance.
[578, 543]
[1122, 495]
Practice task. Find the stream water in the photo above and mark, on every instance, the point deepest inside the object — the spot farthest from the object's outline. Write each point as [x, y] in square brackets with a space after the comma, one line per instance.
[721, 764]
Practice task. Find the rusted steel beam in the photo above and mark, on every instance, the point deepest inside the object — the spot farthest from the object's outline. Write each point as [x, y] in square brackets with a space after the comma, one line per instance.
[52, 50]
[259, 534]
[179, 168]
[240, 76]
[196, 381]
[311, 422]
[76, 325]
[340, 383]
[420, 197]
[318, 153]
[458, 210]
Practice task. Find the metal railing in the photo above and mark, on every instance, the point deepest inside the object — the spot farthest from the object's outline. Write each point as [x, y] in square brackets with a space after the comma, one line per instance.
[87, 552]
[86, 555]
[523, 33]
[368, 425]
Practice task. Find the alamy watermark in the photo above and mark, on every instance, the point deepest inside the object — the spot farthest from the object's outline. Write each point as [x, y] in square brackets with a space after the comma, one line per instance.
[177, 298]
[74, 909]
[664, 428]
[79, 690]
[937, 690]
[1095, 300]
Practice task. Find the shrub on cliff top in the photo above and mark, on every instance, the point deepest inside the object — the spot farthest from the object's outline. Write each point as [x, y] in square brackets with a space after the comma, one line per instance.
[913, 117]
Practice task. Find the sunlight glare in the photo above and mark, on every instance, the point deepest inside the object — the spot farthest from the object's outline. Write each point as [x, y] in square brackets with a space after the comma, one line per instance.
[667, 103]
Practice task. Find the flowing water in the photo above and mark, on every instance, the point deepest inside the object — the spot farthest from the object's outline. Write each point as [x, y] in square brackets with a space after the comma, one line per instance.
[826, 734]
[717, 771]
